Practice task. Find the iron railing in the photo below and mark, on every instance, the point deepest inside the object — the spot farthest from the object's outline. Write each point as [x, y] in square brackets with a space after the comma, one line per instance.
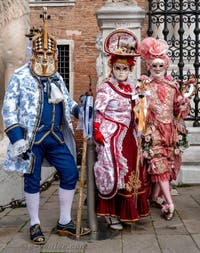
[177, 22]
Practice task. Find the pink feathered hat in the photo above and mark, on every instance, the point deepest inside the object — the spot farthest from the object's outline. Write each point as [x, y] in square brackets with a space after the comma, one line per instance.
[151, 49]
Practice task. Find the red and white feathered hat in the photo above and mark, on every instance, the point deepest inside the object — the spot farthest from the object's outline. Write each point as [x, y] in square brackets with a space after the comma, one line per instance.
[121, 42]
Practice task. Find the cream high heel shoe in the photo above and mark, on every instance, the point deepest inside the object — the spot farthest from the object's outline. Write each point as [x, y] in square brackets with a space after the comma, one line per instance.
[169, 213]
[114, 223]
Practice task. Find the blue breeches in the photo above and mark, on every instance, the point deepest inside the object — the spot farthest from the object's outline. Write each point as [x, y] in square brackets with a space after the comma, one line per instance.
[57, 155]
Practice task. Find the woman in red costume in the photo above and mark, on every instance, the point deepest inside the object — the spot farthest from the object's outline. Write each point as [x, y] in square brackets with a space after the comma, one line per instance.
[121, 195]
[166, 132]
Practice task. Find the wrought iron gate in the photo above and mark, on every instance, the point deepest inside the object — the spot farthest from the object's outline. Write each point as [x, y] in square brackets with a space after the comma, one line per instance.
[178, 22]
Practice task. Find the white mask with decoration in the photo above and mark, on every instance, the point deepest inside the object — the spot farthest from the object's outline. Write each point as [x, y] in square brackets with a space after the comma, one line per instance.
[157, 69]
[120, 71]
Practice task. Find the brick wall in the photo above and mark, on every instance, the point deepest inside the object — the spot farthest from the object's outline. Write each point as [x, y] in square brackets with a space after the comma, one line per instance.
[77, 23]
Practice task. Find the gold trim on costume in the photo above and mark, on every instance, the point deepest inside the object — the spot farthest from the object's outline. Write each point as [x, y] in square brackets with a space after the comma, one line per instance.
[133, 183]
[43, 137]
[32, 163]
[38, 114]
[126, 220]
[12, 127]
[130, 195]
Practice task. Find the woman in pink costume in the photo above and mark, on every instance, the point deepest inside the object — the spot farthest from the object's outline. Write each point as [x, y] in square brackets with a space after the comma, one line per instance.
[121, 195]
[165, 130]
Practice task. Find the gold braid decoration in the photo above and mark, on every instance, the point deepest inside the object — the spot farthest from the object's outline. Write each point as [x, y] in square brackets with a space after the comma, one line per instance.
[133, 183]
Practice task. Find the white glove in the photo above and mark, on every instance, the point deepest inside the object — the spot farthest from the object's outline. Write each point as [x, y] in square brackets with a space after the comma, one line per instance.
[19, 147]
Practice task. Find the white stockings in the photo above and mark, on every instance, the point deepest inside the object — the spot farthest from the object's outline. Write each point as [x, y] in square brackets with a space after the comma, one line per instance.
[66, 199]
[32, 203]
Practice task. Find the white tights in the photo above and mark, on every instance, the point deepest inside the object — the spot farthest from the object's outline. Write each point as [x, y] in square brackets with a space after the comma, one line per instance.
[65, 200]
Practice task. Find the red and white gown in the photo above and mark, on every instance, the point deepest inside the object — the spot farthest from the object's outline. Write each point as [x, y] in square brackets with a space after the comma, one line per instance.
[121, 190]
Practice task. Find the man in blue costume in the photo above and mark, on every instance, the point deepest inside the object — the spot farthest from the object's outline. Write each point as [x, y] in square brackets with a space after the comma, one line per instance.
[37, 112]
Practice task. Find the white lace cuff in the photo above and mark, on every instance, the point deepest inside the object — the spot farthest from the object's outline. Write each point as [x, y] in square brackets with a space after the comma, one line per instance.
[19, 147]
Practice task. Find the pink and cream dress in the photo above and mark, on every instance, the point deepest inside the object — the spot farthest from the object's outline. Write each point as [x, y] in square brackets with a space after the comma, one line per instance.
[166, 132]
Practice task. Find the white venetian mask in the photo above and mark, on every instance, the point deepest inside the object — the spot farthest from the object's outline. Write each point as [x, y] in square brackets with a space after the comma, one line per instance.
[157, 69]
[120, 71]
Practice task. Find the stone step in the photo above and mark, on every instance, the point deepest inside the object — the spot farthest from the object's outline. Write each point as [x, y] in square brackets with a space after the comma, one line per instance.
[190, 169]
[191, 155]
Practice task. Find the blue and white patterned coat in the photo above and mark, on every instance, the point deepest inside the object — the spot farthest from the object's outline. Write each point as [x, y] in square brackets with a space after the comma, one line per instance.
[22, 107]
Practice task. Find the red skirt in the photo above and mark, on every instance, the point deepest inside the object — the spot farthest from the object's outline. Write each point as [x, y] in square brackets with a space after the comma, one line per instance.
[131, 202]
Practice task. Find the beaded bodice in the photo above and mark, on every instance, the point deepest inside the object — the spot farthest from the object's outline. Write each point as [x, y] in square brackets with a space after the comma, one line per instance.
[165, 113]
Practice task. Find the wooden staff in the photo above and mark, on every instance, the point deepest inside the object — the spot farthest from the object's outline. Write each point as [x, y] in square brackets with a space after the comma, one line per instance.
[141, 129]
[83, 165]
[81, 188]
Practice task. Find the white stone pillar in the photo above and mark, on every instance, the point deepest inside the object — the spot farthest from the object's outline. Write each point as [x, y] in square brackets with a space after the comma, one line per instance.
[117, 15]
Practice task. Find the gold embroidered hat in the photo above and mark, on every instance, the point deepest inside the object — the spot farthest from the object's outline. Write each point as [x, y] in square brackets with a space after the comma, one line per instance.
[44, 61]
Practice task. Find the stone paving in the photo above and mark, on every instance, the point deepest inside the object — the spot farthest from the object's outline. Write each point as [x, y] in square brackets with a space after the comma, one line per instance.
[151, 234]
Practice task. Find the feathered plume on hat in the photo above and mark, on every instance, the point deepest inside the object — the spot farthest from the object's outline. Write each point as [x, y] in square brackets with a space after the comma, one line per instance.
[151, 48]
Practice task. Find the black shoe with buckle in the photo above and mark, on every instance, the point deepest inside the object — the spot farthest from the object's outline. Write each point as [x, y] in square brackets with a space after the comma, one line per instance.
[36, 235]
[70, 229]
